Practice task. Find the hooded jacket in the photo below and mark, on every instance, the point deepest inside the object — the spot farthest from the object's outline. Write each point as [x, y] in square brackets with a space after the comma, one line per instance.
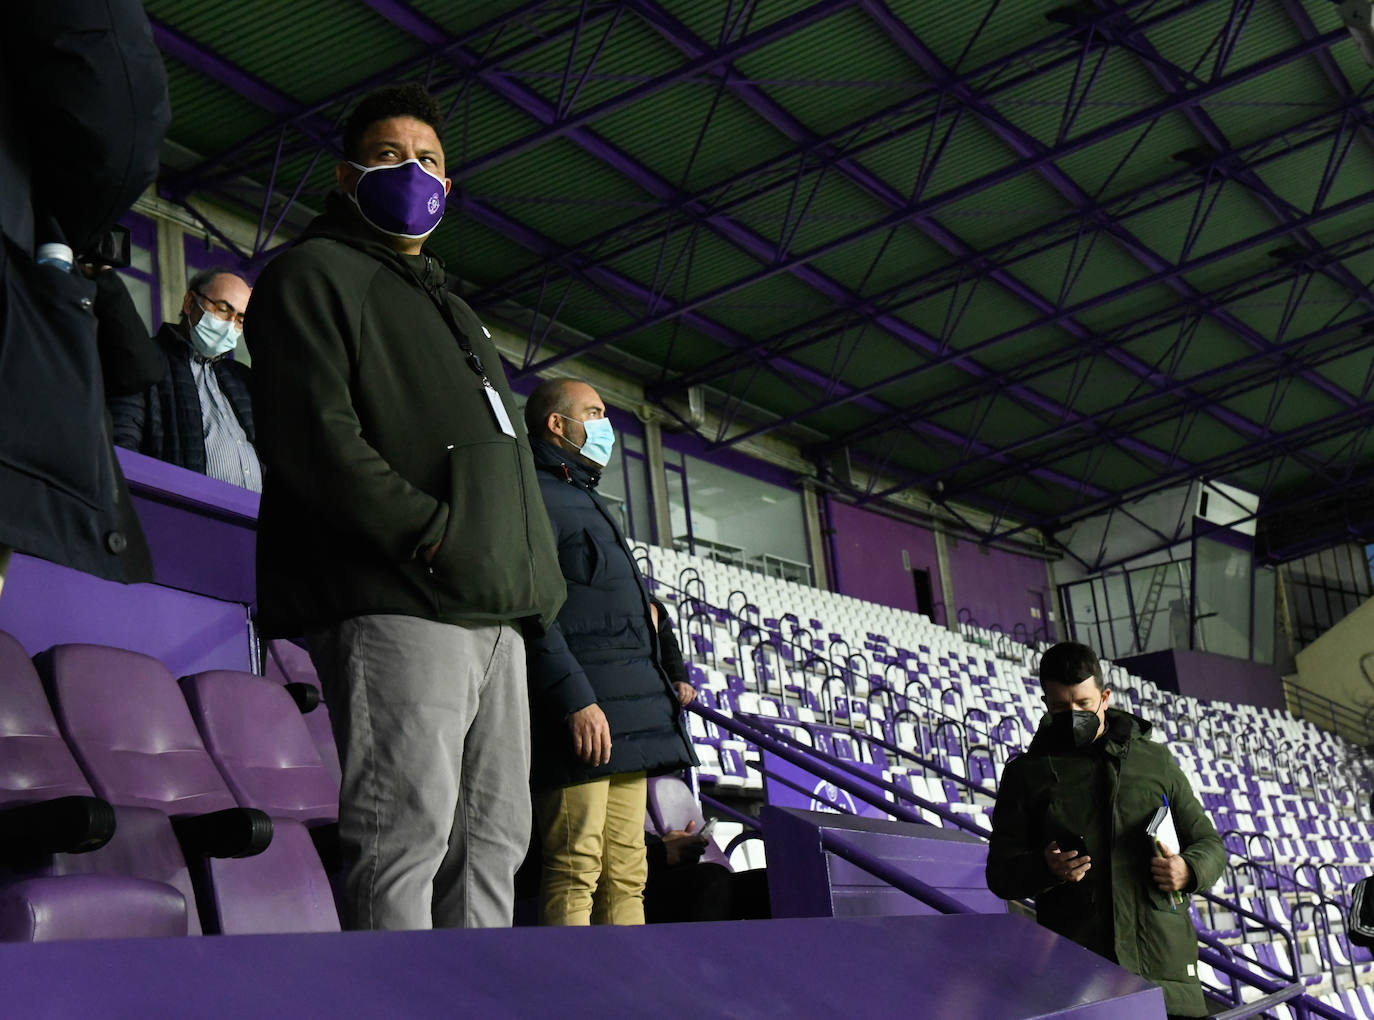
[380, 443]
[1107, 793]
[603, 649]
[89, 77]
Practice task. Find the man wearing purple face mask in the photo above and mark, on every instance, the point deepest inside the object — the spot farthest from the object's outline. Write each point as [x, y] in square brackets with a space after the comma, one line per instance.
[401, 531]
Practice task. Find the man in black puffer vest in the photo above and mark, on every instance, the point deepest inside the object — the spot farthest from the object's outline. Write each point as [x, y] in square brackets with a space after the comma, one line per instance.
[603, 713]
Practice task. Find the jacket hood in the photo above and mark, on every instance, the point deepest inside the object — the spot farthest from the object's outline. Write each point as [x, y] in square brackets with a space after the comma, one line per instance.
[1122, 728]
[558, 462]
[340, 222]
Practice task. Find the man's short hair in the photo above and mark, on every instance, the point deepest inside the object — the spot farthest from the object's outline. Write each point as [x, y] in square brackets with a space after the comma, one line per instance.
[549, 397]
[1070, 663]
[202, 278]
[404, 99]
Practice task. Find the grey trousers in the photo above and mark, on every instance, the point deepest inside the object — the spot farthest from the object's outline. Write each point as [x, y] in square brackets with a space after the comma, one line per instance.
[432, 723]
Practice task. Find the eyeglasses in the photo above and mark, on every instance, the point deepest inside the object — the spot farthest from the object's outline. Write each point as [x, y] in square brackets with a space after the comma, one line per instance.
[222, 310]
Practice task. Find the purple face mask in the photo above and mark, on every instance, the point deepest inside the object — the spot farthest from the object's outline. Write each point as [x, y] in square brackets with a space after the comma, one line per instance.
[401, 199]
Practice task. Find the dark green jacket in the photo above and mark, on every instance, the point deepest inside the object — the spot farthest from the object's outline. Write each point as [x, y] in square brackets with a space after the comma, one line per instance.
[379, 442]
[1107, 793]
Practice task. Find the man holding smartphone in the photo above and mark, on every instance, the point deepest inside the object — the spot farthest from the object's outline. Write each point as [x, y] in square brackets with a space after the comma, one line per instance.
[1070, 829]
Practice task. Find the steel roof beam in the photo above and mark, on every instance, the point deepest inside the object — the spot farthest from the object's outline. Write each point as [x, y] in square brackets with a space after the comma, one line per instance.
[1285, 357]
[715, 194]
[1066, 357]
[1113, 295]
[1214, 137]
[292, 117]
[1028, 148]
[1195, 405]
[536, 106]
[1251, 455]
[929, 205]
[600, 277]
[1013, 250]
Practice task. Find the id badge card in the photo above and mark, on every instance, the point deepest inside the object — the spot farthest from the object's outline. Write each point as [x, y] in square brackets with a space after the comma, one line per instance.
[498, 409]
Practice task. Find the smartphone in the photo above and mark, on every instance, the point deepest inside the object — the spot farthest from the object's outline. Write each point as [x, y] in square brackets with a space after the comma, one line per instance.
[1076, 844]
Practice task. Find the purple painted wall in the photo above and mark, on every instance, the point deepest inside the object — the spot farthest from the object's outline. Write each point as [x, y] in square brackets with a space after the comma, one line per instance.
[1210, 677]
[1001, 589]
[868, 557]
[201, 533]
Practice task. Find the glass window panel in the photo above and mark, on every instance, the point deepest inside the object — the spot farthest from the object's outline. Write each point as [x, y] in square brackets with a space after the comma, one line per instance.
[748, 521]
[1265, 617]
[141, 291]
[141, 258]
[1223, 598]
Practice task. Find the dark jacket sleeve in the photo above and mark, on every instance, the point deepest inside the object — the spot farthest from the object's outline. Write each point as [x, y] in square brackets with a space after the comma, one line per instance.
[297, 328]
[1201, 846]
[668, 650]
[129, 420]
[1016, 869]
[129, 358]
[558, 684]
[98, 84]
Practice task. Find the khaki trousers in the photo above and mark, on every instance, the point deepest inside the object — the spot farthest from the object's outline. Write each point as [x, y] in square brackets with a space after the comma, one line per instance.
[594, 862]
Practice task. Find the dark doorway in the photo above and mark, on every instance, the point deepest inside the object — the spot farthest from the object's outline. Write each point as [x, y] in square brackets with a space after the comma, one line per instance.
[925, 595]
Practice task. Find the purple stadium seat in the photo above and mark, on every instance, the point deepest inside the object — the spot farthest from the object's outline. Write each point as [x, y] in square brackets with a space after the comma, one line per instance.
[257, 736]
[52, 829]
[289, 663]
[132, 731]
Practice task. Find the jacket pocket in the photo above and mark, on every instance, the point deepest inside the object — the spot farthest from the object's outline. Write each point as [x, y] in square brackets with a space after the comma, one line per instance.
[52, 402]
[483, 566]
[580, 559]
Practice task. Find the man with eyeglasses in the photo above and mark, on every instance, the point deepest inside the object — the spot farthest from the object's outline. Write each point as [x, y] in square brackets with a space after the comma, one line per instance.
[200, 414]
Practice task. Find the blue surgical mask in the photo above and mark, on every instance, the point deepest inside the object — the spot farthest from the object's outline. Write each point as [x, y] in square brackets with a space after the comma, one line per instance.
[599, 442]
[212, 337]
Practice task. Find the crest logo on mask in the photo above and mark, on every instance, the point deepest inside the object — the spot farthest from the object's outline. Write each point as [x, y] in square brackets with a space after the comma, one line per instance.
[433, 205]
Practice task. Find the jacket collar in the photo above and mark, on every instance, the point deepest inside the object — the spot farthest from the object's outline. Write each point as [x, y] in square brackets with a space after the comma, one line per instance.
[340, 222]
[550, 458]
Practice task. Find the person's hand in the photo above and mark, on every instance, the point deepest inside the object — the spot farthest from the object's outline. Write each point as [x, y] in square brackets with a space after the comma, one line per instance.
[1067, 865]
[1169, 871]
[591, 735]
[685, 693]
[682, 846]
[429, 552]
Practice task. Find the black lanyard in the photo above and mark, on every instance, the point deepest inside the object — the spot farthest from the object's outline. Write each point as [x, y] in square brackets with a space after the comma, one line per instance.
[446, 310]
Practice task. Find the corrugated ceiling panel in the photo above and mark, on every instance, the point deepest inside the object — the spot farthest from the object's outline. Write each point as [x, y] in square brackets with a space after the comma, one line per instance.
[307, 49]
[201, 109]
[663, 130]
[630, 54]
[707, 21]
[561, 191]
[883, 260]
[1010, 209]
[957, 34]
[1132, 159]
[813, 75]
[483, 122]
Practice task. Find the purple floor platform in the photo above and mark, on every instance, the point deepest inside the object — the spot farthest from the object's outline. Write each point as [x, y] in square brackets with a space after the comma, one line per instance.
[966, 967]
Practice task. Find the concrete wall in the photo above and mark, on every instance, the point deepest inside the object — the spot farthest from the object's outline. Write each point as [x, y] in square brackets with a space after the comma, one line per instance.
[1210, 677]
